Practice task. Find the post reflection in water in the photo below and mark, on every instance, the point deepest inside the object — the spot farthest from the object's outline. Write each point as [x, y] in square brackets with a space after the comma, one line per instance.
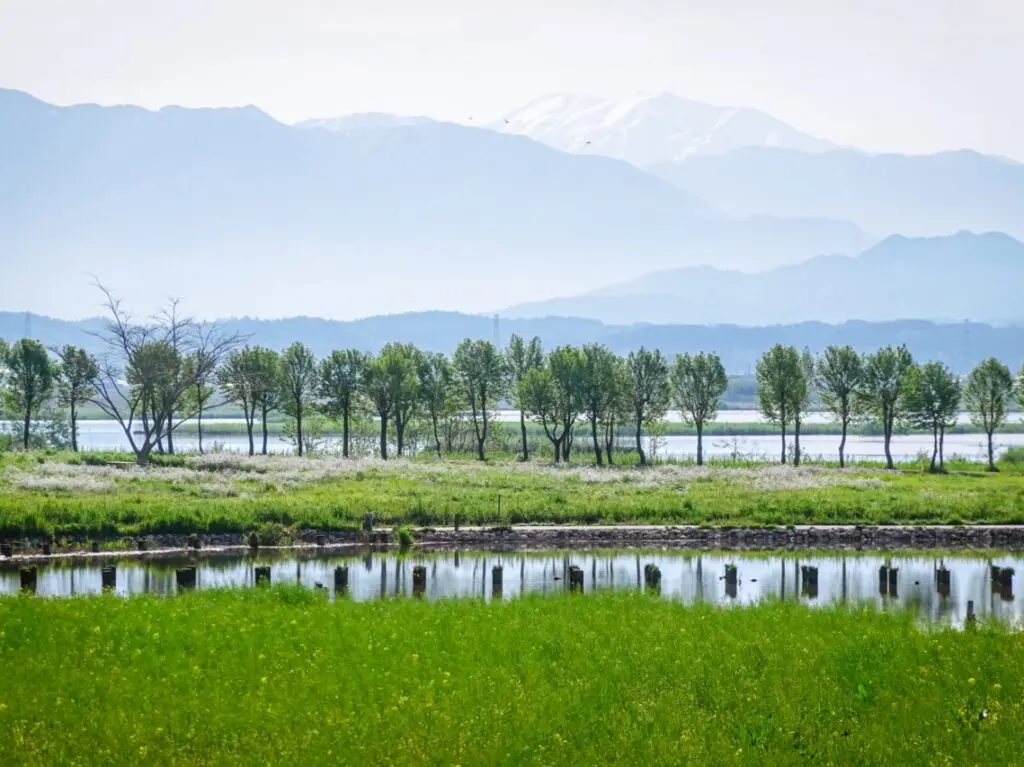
[938, 589]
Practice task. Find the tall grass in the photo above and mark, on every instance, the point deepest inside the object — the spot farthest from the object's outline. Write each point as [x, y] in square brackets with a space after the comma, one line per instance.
[281, 676]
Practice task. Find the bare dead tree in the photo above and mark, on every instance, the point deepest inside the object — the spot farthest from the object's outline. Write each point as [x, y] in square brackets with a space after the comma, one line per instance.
[149, 367]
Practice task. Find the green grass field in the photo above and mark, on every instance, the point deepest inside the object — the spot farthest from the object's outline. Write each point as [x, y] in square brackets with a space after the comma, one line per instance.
[284, 677]
[66, 494]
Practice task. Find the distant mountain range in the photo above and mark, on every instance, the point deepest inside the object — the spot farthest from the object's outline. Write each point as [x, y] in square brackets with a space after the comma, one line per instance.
[942, 278]
[651, 129]
[961, 345]
[238, 213]
[883, 194]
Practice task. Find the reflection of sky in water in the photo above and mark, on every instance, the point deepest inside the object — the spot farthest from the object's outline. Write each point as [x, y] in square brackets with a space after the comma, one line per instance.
[685, 576]
[107, 435]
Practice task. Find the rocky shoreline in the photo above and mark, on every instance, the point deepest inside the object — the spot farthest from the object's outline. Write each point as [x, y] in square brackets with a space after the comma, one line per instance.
[838, 537]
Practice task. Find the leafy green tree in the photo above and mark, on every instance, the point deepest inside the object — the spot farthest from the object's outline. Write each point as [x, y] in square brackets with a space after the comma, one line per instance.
[839, 373]
[236, 383]
[781, 387]
[619, 409]
[567, 366]
[881, 390]
[987, 397]
[437, 392]
[804, 404]
[265, 380]
[201, 392]
[298, 382]
[406, 387]
[522, 358]
[76, 383]
[597, 384]
[931, 399]
[480, 374]
[538, 398]
[30, 376]
[698, 383]
[648, 393]
[391, 385]
[341, 380]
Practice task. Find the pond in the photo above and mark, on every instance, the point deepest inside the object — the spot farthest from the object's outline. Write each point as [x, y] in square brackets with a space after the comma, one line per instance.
[936, 588]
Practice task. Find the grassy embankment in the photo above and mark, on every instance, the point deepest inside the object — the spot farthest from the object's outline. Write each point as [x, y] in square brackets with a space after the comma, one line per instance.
[283, 677]
[67, 494]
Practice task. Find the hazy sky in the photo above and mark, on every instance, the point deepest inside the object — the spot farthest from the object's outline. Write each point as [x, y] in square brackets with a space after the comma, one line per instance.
[900, 75]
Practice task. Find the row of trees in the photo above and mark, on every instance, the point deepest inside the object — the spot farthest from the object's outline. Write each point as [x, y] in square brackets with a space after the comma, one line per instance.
[887, 387]
[159, 373]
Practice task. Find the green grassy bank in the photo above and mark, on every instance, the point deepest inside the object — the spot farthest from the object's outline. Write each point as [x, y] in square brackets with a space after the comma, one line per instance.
[69, 494]
[283, 677]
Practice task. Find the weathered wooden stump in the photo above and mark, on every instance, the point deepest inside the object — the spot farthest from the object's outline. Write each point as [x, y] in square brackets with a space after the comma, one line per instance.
[108, 578]
[419, 580]
[368, 522]
[652, 577]
[497, 581]
[6, 550]
[883, 580]
[1002, 582]
[341, 579]
[263, 575]
[141, 544]
[185, 577]
[809, 581]
[47, 548]
[575, 579]
[971, 618]
[29, 579]
[95, 547]
[892, 581]
[321, 540]
[195, 541]
[943, 581]
[254, 541]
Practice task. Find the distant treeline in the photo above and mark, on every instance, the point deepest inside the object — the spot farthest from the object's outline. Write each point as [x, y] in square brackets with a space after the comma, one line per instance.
[154, 376]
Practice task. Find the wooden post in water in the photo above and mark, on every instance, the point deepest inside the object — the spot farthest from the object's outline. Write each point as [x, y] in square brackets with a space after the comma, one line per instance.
[262, 575]
[47, 548]
[321, 540]
[95, 547]
[341, 579]
[29, 579]
[971, 619]
[185, 577]
[1002, 582]
[108, 578]
[419, 580]
[497, 581]
[575, 579]
[141, 544]
[883, 580]
[892, 582]
[652, 578]
[942, 581]
[809, 576]
[195, 542]
[6, 550]
[731, 581]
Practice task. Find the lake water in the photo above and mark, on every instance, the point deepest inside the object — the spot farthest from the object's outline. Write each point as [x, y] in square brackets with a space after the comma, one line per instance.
[685, 576]
[107, 435]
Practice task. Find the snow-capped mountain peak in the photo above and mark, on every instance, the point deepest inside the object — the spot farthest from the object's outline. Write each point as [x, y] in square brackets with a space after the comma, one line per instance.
[649, 129]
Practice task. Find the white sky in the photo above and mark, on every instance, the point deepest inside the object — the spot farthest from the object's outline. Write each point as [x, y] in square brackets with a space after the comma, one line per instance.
[886, 75]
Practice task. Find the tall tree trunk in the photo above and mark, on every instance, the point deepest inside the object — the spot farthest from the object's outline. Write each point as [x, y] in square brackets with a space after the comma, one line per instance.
[344, 431]
[170, 436]
[700, 443]
[639, 445]
[887, 437]
[27, 426]
[522, 428]
[437, 439]
[265, 430]
[783, 425]
[796, 441]
[399, 435]
[842, 446]
[298, 429]
[199, 419]
[597, 443]
[991, 453]
[74, 426]
[935, 446]
[250, 416]
[609, 440]
[942, 441]
[384, 437]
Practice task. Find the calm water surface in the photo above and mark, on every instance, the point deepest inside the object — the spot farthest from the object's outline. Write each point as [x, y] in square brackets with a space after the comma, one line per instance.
[685, 576]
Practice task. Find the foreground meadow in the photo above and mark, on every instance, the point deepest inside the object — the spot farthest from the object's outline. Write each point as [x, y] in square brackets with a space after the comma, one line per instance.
[74, 494]
[283, 677]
